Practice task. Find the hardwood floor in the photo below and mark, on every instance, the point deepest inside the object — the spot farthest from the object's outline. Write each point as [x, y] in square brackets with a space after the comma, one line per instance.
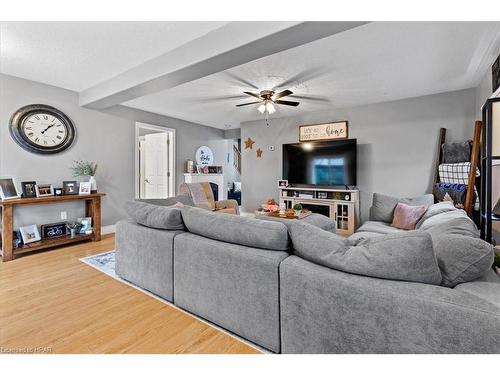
[54, 302]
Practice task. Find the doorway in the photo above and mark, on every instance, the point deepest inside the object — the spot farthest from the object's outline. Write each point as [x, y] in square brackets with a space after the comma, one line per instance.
[154, 161]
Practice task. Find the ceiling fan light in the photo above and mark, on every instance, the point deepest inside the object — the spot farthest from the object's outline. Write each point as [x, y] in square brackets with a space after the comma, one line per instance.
[262, 108]
[270, 108]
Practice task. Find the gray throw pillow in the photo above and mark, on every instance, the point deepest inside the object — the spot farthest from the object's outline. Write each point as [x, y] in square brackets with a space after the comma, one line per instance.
[462, 258]
[407, 256]
[383, 206]
[154, 216]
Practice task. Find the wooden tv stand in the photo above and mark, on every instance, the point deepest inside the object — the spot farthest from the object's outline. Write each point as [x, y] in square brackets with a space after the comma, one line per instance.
[92, 209]
[341, 205]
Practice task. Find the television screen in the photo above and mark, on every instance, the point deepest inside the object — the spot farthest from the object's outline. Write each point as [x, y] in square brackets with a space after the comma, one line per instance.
[320, 163]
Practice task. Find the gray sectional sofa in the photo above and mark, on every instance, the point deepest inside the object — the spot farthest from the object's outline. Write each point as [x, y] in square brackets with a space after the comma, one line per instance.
[299, 288]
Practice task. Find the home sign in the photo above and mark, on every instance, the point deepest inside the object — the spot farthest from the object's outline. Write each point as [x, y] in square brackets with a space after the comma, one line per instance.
[316, 132]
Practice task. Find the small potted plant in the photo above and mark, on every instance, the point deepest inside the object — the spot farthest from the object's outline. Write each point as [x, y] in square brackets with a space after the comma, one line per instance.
[86, 168]
[298, 209]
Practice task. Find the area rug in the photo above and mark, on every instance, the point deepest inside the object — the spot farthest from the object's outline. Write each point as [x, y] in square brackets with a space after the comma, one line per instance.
[105, 263]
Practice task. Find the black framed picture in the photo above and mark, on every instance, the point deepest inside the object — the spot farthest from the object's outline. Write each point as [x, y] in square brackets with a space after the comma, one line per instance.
[29, 189]
[53, 230]
[58, 191]
[70, 188]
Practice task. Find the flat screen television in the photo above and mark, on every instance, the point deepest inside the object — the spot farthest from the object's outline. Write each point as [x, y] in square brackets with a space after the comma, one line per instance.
[331, 163]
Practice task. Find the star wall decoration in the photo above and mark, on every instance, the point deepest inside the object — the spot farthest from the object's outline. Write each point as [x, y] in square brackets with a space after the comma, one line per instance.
[249, 143]
[259, 153]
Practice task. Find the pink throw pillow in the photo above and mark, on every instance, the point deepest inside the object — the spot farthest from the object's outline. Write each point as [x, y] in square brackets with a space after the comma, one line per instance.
[406, 217]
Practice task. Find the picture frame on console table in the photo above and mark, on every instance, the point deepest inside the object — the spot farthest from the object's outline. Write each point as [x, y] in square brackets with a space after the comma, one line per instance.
[8, 189]
[324, 132]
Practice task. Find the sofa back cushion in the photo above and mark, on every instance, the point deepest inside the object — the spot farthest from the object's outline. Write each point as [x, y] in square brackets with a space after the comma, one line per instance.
[184, 199]
[383, 206]
[407, 256]
[155, 216]
[462, 258]
[236, 229]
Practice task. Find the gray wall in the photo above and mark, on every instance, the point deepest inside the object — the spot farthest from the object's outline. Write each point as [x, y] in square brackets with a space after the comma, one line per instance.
[397, 143]
[105, 137]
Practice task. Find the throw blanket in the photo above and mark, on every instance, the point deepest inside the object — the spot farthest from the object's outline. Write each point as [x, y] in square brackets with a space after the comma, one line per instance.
[456, 192]
[452, 176]
[201, 193]
[455, 173]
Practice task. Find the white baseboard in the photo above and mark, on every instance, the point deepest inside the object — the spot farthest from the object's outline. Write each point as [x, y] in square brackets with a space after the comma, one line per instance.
[107, 229]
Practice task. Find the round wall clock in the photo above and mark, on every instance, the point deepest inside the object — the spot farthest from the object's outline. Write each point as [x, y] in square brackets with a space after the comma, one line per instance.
[41, 129]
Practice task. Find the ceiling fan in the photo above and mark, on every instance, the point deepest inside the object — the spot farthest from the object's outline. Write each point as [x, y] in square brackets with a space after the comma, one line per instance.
[267, 100]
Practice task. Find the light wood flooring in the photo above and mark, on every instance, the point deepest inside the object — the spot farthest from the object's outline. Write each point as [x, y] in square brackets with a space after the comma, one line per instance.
[53, 301]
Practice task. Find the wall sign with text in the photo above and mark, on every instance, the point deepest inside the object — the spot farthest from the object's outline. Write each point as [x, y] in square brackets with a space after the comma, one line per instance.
[316, 132]
[204, 156]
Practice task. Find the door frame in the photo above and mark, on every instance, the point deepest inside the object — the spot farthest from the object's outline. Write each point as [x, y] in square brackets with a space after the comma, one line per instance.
[171, 155]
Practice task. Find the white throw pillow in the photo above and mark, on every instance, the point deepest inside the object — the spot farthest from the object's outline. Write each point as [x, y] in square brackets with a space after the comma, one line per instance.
[237, 186]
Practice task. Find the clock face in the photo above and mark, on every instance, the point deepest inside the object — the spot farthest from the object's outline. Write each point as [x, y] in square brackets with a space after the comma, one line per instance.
[42, 129]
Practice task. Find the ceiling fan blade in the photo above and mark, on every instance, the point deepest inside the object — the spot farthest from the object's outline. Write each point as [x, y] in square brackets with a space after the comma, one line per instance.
[287, 102]
[312, 98]
[240, 80]
[241, 105]
[302, 77]
[252, 94]
[282, 94]
[208, 99]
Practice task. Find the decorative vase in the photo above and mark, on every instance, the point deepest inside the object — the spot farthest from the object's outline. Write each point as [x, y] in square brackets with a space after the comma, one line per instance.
[93, 184]
[73, 232]
[297, 212]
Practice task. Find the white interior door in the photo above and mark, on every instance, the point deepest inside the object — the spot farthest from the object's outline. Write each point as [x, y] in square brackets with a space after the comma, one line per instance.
[156, 166]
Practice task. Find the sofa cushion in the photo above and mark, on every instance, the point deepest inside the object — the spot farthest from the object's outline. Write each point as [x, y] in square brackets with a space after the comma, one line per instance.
[184, 199]
[451, 222]
[154, 216]
[462, 258]
[405, 255]
[320, 221]
[236, 229]
[436, 209]
[406, 217]
[383, 206]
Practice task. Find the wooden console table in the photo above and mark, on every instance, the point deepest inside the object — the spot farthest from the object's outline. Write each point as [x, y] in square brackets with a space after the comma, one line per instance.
[92, 209]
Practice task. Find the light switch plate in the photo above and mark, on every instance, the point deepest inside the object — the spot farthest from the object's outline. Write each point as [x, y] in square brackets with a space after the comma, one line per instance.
[64, 215]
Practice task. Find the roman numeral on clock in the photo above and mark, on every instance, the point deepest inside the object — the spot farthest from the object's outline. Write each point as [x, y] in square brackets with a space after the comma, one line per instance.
[45, 117]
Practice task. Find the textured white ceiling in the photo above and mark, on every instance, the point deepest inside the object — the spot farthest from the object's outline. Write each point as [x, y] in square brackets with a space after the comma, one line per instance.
[78, 55]
[378, 62]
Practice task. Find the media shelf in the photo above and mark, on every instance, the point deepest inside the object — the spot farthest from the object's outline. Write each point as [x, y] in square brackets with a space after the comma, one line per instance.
[341, 205]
